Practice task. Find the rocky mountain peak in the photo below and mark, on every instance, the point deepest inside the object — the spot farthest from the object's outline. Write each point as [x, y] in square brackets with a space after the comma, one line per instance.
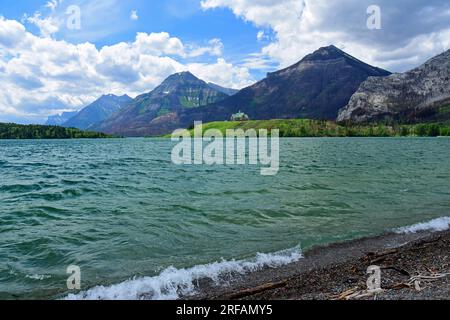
[422, 94]
[181, 77]
[111, 96]
[326, 53]
[97, 111]
[329, 57]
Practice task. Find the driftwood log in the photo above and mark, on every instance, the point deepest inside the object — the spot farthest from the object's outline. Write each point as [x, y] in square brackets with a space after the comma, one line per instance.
[252, 291]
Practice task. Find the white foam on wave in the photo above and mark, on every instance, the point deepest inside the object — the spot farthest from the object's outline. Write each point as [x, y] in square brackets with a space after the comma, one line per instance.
[436, 225]
[39, 277]
[173, 283]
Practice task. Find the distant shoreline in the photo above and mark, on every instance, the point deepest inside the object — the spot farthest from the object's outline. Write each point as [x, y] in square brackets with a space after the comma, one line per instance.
[307, 128]
[12, 131]
[288, 128]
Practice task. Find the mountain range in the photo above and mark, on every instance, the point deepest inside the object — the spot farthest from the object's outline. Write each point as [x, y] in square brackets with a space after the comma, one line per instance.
[93, 114]
[328, 84]
[179, 91]
[153, 113]
[317, 87]
[98, 111]
[59, 119]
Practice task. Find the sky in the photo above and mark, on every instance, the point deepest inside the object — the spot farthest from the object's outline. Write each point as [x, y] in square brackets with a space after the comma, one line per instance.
[61, 55]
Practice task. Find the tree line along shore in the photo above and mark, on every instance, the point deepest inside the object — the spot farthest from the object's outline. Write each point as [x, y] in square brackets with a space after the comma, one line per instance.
[16, 131]
[318, 128]
[287, 128]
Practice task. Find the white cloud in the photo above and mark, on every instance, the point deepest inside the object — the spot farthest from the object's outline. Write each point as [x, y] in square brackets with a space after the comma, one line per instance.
[47, 26]
[412, 31]
[52, 4]
[158, 44]
[214, 48]
[260, 35]
[222, 73]
[259, 61]
[134, 15]
[42, 76]
[11, 33]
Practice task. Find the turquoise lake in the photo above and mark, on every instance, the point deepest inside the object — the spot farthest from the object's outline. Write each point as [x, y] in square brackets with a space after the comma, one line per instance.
[120, 209]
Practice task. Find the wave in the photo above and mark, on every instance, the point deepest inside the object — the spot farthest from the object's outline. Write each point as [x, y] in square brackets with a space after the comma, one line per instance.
[174, 283]
[39, 277]
[436, 225]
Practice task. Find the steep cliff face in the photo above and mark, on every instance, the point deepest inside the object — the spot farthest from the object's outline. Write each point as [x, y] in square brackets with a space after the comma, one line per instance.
[422, 94]
[178, 92]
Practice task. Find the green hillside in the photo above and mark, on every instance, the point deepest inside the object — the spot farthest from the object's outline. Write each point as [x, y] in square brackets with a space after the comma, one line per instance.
[315, 128]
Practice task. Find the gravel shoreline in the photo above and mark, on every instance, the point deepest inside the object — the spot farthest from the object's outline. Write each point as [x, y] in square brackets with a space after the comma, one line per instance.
[413, 267]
